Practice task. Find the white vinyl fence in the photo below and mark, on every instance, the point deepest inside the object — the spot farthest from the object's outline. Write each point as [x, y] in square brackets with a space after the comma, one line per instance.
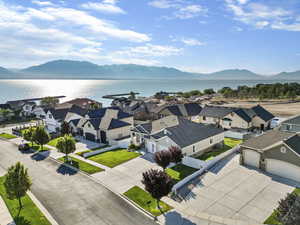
[192, 162]
[206, 165]
[89, 154]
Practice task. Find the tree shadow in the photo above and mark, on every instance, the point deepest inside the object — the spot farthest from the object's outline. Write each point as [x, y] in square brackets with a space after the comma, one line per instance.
[29, 151]
[20, 220]
[39, 156]
[174, 218]
[65, 169]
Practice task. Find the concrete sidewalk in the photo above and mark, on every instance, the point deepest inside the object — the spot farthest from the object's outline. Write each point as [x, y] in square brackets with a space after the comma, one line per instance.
[5, 217]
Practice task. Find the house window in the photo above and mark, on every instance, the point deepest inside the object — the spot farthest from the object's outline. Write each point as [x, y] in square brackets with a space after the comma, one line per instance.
[288, 127]
[50, 116]
[120, 136]
[193, 148]
[89, 125]
[283, 149]
[204, 117]
[211, 141]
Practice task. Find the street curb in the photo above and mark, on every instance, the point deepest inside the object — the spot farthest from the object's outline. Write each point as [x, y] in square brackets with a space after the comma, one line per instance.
[146, 213]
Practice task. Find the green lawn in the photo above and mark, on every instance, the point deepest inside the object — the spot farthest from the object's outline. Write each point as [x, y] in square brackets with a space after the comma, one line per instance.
[272, 219]
[7, 136]
[83, 166]
[114, 158]
[53, 142]
[81, 153]
[180, 171]
[29, 215]
[229, 143]
[145, 200]
[37, 147]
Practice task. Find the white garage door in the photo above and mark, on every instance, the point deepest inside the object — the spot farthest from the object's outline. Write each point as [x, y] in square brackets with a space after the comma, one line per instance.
[283, 169]
[251, 158]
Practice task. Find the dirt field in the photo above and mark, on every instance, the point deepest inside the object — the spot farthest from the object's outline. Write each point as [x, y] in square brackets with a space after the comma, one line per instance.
[281, 109]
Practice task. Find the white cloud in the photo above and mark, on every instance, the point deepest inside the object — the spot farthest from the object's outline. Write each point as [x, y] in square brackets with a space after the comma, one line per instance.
[150, 50]
[190, 11]
[192, 42]
[42, 3]
[96, 25]
[163, 4]
[107, 6]
[263, 16]
[182, 9]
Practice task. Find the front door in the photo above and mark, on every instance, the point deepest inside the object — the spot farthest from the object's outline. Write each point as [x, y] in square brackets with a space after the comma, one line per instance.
[103, 136]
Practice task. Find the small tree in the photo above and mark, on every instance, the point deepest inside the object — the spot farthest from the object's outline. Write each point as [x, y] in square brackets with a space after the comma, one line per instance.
[65, 128]
[49, 101]
[176, 154]
[157, 183]
[162, 158]
[17, 183]
[66, 145]
[40, 136]
[28, 135]
[288, 211]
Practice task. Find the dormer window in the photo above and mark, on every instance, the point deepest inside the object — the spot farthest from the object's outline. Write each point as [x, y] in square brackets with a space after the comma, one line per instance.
[50, 116]
[283, 149]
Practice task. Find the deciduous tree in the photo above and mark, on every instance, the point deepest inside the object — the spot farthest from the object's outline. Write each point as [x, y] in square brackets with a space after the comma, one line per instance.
[65, 128]
[157, 183]
[41, 136]
[162, 158]
[17, 183]
[66, 145]
[176, 154]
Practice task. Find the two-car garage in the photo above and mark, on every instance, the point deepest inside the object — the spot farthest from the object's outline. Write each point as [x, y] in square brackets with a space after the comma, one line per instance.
[283, 169]
[251, 158]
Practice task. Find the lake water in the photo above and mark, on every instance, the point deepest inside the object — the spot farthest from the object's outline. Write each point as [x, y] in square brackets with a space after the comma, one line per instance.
[21, 89]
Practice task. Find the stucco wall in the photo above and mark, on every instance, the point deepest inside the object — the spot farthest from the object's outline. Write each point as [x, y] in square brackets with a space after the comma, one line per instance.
[257, 121]
[237, 122]
[117, 133]
[289, 156]
[203, 145]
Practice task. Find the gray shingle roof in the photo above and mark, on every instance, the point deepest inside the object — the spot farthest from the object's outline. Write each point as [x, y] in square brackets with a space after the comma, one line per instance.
[294, 120]
[294, 143]
[216, 111]
[190, 109]
[188, 133]
[241, 113]
[262, 113]
[117, 124]
[267, 139]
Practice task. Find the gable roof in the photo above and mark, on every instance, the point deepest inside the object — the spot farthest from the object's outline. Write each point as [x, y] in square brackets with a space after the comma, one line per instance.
[187, 133]
[187, 109]
[241, 113]
[82, 102]
[267, 139]
[216, 111]
[262, 113]
[61, 113]
[75, 121]
[99, 113]
[117, 124]
[294, 143]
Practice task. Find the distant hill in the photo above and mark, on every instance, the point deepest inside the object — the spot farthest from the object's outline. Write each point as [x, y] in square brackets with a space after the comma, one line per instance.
[235, 74]
[82, 69]
[287, 76]
[68, 69]
[5, 72]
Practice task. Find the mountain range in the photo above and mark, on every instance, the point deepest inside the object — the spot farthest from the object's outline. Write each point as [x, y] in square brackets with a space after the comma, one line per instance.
[68, 69]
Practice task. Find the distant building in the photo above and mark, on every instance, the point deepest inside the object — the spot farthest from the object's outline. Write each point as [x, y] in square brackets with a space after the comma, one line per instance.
[230, 117]
[192, 138]
[188, 110]
[85, 103]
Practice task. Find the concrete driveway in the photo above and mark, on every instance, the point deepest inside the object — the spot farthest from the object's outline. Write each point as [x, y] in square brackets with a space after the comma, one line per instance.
[123, 177]
[70, 197]
[237, 192]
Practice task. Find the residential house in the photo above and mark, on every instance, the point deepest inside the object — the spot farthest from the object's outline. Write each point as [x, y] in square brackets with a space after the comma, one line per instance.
[106, 125]
[291, 125]
[55, 116]
[192, 138]
[276, 152]
[84, 103]
[6, 112]
[27, 109]
[189, 110]
[231, 117]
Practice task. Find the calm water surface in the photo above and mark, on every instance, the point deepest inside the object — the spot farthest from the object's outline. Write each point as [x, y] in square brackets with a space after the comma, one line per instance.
[20, 89]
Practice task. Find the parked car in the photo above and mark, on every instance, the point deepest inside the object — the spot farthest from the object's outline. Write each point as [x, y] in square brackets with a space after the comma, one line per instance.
[24, 147]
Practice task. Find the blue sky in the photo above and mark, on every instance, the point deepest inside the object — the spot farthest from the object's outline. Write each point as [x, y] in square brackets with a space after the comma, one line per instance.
[193, 35]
